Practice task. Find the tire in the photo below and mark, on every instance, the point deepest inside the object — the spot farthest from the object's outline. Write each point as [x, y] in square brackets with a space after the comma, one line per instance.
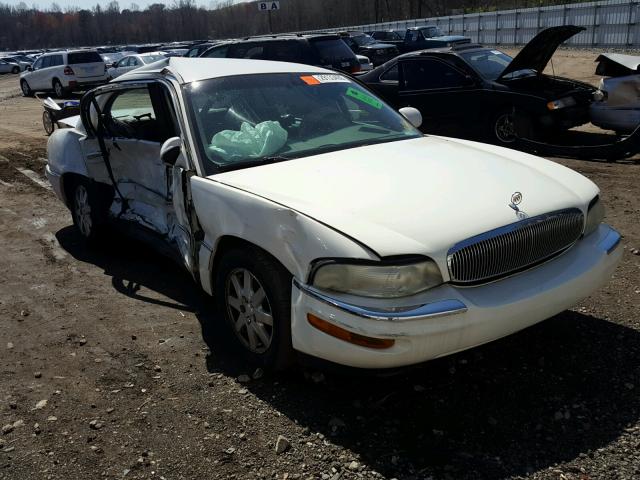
[502, 128]
[15, 70]
[252, 290]
[26, 89]
[48, 123]
[58, 89]
[87, 210]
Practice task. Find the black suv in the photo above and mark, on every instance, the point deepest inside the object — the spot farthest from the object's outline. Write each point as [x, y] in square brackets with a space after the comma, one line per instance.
[319, 50]
[364, 44]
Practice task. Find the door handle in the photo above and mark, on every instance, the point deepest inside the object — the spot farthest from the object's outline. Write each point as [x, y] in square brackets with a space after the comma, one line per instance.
[94, 155]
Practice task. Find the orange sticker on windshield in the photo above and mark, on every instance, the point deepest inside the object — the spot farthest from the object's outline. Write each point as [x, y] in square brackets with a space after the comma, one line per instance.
[310, 80]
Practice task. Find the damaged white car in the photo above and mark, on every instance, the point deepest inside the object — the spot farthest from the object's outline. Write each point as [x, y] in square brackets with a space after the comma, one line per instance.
[322, 221]
[617, 107]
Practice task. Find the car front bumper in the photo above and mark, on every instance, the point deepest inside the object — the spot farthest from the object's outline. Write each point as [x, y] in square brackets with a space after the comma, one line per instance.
[620, 119]
[55, 179]
[450, 319]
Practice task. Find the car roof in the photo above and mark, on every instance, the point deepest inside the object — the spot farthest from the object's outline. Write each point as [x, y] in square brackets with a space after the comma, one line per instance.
[189, 70]
[453, 49]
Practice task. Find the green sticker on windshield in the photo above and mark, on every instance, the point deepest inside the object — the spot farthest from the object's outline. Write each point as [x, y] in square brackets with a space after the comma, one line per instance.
[364, 98]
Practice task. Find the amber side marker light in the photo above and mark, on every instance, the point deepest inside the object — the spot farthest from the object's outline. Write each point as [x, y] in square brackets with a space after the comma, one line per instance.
[347, 336]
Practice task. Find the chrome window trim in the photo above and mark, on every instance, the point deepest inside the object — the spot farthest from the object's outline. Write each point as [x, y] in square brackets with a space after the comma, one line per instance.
[440, 308]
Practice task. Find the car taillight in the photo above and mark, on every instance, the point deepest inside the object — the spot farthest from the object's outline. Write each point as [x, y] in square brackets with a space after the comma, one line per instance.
[356, 68]
[68, 70]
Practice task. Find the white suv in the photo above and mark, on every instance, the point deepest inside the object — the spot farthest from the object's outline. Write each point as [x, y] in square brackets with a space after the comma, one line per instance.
[63, 72]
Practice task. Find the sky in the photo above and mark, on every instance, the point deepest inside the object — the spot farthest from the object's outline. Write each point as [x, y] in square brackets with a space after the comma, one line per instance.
[42, 4]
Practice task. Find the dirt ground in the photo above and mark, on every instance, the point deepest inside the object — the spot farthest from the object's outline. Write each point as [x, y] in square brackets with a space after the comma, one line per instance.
[111, 365]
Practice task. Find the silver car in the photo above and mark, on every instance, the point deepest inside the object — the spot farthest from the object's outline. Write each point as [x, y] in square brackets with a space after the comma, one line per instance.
[9, 67]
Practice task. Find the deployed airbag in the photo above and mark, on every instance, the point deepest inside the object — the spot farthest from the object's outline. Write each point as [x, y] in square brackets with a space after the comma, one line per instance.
[263, 140]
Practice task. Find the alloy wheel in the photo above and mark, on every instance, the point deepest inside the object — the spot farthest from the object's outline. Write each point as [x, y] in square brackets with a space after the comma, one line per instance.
[505, 128]
[58, 89]
[82, 210]
[249, 310]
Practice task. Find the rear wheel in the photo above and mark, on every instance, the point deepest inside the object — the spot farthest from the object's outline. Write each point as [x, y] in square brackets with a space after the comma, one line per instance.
[253, 295]
[26, 89]
[58, 88]
[15, 70]
[47, 122]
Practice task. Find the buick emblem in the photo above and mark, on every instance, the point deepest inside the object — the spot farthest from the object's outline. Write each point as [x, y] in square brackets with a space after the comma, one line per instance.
[516, 198]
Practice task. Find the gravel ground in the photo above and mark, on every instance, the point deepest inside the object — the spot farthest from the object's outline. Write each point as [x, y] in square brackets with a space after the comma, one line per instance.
[111, 366]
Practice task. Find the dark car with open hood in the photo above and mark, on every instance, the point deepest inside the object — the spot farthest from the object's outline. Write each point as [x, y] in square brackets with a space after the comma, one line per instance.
[472, 91]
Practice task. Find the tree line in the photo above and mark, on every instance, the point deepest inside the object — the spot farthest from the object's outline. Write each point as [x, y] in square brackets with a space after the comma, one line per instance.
[23, 27]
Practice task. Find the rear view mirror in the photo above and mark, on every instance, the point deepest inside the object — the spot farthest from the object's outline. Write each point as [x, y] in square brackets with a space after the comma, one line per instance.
[170, 150]
[413, 115]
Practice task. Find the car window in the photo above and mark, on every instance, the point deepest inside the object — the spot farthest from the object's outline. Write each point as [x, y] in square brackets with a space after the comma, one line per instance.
[193, 52]
[414, 35]
[131, 115]
[133, 62]
[75, 58]
[56, 60]
[391, 75]
[284, 51]
[123, 62]
[218, 52]
[244, 50]
[46, 62]
[38, 64]
[244, 118]
[334, 52]
[425, 74]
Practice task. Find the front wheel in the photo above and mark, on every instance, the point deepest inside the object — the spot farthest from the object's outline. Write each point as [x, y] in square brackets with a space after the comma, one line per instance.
[15, 70]
[86, 210]
[253, 295]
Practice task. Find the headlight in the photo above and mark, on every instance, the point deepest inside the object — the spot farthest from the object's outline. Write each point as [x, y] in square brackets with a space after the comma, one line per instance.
[377, 280]
[562, 103]
[595, 216]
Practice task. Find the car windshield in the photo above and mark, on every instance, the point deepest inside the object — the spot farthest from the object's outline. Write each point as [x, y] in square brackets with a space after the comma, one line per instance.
[242, 121]
[488, 63]
[432, 32]
[363, 40]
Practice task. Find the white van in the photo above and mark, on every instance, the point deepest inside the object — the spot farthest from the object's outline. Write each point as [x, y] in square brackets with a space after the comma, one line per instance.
[64, 72]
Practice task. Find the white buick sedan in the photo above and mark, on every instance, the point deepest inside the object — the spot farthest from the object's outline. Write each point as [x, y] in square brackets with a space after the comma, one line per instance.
[322, 221]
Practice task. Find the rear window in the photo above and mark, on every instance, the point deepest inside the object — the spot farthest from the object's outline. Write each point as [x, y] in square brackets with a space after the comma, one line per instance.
[84, 57]
[333, 51]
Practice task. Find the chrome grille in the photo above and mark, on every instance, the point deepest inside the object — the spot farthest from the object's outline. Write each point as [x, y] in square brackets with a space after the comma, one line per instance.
[512, 248]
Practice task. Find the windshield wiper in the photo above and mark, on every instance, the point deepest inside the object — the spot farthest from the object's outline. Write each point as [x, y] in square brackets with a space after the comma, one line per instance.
[253, 163]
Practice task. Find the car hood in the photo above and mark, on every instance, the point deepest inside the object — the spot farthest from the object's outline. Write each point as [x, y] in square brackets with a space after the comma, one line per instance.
[452, 38]
[373, 46]
[416, 196]
[536, 54]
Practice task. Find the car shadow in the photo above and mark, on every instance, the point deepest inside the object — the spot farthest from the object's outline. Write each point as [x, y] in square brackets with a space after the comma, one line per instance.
[552, 393]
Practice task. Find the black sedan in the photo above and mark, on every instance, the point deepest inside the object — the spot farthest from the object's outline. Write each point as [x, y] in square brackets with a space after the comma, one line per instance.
[473, 91]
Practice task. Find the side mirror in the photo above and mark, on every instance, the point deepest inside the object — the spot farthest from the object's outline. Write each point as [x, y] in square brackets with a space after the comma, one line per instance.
[30, 68]
[413, 115]
[170, 150]
[114, 65]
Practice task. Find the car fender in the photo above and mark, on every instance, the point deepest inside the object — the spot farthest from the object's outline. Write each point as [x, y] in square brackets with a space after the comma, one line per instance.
[293, 238]
[64, 153]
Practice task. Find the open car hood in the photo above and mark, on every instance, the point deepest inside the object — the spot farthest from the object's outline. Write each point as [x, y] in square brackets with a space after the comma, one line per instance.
[537, 53]
[617, 65]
